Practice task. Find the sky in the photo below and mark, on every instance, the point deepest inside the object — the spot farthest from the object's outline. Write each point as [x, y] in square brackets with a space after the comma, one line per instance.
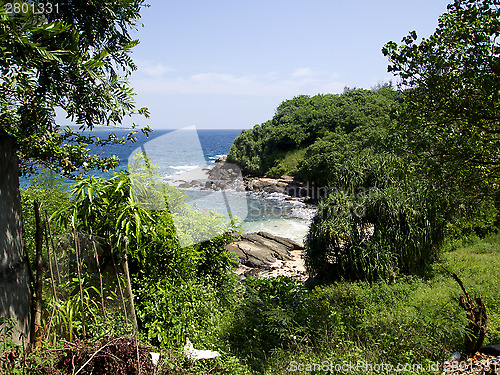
[229, 64]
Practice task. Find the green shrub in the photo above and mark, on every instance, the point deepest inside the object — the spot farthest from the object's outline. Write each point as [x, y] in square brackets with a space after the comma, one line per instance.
[375, 224]
[172, 311]
[272, 314]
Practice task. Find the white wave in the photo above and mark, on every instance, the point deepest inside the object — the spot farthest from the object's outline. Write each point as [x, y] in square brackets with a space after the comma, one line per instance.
[305, 213]
[184, 167]
[216, 156]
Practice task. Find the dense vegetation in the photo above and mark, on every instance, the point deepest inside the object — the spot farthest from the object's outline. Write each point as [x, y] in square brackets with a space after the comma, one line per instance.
[310, 124]
[404, 169]
[383, 214]
[412, 177]
[270, 326]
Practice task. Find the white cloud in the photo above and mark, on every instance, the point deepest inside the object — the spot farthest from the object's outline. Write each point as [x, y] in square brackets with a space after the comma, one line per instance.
[303, 72]
[300, 81]
[152, 69]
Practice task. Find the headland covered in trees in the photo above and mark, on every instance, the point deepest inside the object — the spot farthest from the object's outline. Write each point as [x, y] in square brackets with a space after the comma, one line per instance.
[402, 254]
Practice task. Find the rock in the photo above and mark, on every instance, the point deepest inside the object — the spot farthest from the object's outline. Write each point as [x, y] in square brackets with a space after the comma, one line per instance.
[490, 350]
[292, 245]
[285, 185]
[222, 159]
[190, 184]
[261, 250]
[225, 176]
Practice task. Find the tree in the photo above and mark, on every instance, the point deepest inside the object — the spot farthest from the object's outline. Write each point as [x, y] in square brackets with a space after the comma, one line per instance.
[73, 58]
[66, 60]
[378, 220]
[451, 83]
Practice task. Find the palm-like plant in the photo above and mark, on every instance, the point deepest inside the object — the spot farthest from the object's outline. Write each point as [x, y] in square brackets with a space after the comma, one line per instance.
[376, 225]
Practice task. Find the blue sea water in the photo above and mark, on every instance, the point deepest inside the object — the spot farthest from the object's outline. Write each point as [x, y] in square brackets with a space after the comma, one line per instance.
[178, 151]
[214, 144]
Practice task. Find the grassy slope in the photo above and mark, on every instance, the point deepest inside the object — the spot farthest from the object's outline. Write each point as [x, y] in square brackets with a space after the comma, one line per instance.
[413, 321]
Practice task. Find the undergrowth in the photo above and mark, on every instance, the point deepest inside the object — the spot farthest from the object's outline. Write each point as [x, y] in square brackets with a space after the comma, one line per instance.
[275, 326]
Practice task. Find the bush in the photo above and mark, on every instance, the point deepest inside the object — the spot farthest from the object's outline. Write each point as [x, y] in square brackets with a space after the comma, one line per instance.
[272, 314]
[375, 224]
[179, 290]
[172, 311]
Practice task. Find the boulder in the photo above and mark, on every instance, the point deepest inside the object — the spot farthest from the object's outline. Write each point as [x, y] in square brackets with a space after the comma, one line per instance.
[261, 250]
[491, 350]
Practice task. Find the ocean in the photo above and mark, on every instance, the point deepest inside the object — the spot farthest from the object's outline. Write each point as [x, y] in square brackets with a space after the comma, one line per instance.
[176, 153]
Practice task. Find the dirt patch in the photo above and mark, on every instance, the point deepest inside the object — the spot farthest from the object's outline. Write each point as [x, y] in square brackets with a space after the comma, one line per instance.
[120, 356]
[291, 268]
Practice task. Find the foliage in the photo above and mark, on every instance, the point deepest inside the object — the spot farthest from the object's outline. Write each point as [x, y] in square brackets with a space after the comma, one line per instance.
[179, 292]
[67, 60]
[277, 321]
[412, 320]
[378, 222]
[273, 314]
[68, 321]
[175, 309]
[50, 191]
[451, 83]
[175, 288]
[339, 151]
[303, 120]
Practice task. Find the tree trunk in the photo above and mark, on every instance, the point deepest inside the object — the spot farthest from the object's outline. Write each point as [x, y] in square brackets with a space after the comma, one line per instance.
[15, 294]
[476, 315]
[129, 288]
[37, 330]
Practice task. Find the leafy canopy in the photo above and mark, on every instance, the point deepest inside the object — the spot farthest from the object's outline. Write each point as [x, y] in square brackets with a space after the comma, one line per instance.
[304, 120]
[66, 62]
[452, 88]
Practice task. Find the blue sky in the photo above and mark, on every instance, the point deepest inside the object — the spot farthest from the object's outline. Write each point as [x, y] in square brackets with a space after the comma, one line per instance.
[229, 64]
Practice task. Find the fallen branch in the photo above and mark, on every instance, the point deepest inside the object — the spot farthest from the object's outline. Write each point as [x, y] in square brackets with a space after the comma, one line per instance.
[93, 355]
[476, 314]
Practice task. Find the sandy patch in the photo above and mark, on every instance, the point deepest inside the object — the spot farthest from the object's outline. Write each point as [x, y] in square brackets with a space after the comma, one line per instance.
[291, 268]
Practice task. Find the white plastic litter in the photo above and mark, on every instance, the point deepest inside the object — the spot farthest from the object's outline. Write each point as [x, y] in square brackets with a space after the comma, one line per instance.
[196, 354]
[155, 357]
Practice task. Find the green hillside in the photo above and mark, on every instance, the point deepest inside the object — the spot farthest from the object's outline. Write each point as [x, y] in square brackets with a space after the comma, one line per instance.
[307, 131]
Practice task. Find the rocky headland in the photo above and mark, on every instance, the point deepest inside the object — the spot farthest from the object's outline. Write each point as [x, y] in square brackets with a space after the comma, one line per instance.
[224, 175]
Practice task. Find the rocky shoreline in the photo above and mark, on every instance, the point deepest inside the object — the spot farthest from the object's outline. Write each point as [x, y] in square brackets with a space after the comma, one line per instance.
[260, 254]
[224, 175]
[265, 255]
